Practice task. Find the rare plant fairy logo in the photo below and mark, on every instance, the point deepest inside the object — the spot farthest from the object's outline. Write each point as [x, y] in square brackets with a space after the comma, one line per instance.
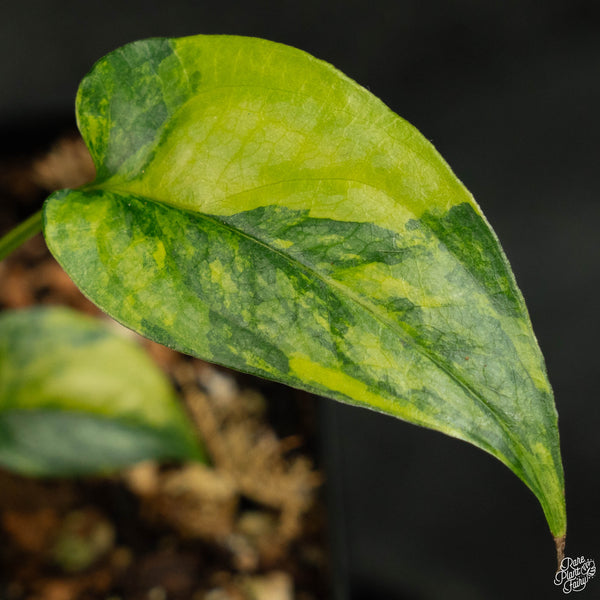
[574, 573]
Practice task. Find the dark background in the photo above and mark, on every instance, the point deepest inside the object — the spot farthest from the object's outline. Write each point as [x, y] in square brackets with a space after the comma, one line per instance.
[509, 92]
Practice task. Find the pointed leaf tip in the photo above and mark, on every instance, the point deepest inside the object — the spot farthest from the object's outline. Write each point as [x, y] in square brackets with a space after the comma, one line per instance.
[560, 542]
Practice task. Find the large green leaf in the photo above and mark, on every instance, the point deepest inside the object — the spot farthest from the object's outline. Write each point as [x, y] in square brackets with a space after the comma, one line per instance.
[76, 397]
[257, 208]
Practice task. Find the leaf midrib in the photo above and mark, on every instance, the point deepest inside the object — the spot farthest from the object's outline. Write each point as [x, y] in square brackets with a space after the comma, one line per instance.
[399, 328]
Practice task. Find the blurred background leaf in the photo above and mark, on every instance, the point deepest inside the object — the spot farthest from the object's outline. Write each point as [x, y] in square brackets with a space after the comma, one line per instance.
[76, 397]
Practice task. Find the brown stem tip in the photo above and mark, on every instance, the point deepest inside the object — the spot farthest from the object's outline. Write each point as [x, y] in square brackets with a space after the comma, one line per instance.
[560, 549]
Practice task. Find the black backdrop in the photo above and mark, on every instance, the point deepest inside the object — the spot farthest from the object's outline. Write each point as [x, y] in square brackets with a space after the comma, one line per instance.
[509, 92]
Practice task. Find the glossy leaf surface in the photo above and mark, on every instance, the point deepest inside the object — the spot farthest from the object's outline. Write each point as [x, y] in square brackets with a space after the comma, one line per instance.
[76, 397]
[258, 209]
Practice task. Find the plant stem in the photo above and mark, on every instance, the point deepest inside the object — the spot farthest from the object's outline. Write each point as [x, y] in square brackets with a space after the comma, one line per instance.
[20, 234]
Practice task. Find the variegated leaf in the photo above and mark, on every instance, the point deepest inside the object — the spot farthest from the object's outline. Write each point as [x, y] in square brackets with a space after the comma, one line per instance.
[75, 397]
[258, 209]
